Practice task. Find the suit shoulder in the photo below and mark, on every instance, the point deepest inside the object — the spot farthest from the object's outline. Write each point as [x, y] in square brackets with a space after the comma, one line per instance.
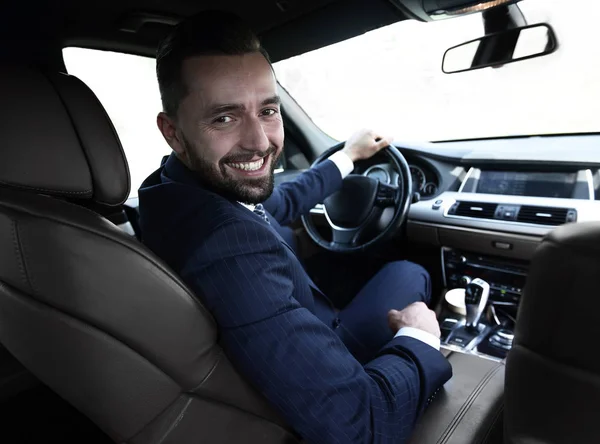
[185, 204]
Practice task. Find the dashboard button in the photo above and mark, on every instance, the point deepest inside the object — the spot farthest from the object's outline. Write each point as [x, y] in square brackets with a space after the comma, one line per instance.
[429, 189]
[509, 213]
[502, 245]
[437, 204]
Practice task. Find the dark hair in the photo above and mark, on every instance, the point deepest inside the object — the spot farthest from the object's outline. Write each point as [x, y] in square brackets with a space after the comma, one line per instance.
[206, 33]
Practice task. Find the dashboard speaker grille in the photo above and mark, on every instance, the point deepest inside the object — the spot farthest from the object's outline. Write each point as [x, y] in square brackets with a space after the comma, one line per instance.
[481, 210]
[545, 215]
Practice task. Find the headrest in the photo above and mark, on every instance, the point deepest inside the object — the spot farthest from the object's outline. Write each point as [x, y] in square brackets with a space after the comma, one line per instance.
[57, 139]
[560, 309]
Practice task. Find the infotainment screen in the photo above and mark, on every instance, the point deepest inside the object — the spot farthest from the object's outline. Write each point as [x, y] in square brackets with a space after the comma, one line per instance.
[527, 184]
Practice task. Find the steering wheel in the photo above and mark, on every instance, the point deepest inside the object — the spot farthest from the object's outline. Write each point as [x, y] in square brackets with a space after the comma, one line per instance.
[363, 207]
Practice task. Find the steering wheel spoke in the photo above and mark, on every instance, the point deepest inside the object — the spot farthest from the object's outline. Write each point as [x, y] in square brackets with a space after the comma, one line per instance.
[351, 237]
[345, 237]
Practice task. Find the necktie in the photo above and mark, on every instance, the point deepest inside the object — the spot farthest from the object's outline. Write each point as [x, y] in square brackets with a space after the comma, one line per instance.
[259, 209]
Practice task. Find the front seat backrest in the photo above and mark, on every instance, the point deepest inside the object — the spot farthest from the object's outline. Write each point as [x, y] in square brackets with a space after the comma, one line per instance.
[86, 308]
[552, 390]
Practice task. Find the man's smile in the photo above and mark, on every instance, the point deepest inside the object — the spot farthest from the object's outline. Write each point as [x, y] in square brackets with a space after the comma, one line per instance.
[252, 168]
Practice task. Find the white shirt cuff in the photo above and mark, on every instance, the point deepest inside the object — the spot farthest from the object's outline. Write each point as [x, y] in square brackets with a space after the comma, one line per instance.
[343, 162]
[421, 335]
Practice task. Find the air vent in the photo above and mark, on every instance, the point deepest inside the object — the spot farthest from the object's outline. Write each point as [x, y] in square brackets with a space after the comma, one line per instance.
[546, 215]
[480, 210]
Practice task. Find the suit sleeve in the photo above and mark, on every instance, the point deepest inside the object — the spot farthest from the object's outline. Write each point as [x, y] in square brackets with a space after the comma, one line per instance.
[292, 199]
[242, 275]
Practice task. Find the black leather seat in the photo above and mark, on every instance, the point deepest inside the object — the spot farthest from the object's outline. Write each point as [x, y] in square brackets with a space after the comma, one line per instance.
[85, 307]
[552, 391]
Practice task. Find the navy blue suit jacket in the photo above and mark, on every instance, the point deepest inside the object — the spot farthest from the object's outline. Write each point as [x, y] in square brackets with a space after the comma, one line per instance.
[263, 302]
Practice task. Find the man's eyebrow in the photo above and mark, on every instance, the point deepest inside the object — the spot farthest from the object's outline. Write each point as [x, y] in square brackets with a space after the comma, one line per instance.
[228, 107]
[225, 107]
[274, 100]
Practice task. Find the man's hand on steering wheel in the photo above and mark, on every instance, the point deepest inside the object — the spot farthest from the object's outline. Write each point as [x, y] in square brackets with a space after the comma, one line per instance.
[364, 212]
[365, 144]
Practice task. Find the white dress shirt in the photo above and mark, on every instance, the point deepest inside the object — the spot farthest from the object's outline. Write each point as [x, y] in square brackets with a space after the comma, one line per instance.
[346, 166]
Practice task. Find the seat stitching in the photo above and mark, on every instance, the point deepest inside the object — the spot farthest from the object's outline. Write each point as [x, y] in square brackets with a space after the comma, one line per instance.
[288, 431]
[19, 255]
[48, 190]
[125, 244]
[467, 404]
[32, 285]
[211, 371]
[494, 421]
[176, 422]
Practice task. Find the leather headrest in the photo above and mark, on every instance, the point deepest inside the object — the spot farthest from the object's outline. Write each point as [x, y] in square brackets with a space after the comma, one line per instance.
[57, 139]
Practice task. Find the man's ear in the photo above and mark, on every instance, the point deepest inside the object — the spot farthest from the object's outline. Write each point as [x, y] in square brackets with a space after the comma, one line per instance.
[168, 128]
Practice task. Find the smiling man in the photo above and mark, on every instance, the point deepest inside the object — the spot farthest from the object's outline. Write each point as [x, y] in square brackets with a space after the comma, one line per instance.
[212, 212]
[221, 92]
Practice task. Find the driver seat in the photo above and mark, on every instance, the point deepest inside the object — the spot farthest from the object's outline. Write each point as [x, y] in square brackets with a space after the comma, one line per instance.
[85, 307]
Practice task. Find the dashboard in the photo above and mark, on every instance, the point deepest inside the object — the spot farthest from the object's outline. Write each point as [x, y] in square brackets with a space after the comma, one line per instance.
[498, 197]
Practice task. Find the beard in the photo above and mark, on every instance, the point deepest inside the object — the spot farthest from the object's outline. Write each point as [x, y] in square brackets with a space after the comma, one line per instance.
[250, 190]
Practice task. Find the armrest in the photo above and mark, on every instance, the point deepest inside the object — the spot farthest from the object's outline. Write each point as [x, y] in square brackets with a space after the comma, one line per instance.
[468, 408]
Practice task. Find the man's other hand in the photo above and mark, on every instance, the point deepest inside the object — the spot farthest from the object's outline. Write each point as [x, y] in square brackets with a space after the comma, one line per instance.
[416, 315]
[365, 144]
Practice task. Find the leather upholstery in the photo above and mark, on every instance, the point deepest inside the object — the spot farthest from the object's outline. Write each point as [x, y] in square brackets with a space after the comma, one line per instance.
[553, 369]
[57, 138]
[14, 378]
[469, 408]
[86, 308]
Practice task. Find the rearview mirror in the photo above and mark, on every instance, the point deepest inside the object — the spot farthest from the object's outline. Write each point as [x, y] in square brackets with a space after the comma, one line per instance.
[500, 48]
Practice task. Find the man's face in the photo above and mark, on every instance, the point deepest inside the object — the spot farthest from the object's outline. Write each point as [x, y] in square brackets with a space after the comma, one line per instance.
[229, 127]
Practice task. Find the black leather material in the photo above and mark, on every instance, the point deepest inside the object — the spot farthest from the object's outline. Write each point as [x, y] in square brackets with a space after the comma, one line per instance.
[57, 138]
[553, 369]
[85, 307]
[468, 409]
[14, 378]
[100, 320]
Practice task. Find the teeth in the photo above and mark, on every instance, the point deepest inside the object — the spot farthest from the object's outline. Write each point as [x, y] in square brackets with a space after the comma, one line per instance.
[248, 166]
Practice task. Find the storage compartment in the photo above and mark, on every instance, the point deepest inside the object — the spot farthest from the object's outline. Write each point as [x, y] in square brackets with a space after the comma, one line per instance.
[468, 408]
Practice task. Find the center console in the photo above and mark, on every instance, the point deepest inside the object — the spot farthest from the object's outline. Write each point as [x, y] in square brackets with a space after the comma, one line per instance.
[485, 329]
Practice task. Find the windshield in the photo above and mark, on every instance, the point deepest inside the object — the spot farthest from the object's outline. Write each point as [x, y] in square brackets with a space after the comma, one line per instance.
[391, 80]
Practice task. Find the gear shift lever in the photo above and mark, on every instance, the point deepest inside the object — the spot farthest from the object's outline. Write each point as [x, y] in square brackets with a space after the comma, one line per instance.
[476, 297]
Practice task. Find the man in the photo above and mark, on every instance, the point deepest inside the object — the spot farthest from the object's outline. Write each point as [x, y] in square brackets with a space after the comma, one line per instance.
[211, 211]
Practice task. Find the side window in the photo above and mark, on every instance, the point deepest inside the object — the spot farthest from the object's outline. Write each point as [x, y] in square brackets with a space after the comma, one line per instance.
[126, 86]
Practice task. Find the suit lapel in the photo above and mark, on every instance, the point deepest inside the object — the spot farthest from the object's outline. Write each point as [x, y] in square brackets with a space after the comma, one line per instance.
[310, 281]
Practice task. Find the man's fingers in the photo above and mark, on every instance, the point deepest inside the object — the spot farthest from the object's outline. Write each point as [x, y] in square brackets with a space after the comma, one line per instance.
[383, 142]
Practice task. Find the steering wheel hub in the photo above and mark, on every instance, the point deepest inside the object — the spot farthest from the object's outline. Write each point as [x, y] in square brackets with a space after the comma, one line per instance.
[351, 205]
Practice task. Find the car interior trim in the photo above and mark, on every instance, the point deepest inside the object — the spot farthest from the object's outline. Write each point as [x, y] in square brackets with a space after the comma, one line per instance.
[466, 179]
[590, 181]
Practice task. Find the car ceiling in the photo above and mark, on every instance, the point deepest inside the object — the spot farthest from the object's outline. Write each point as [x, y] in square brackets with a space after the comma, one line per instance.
[37, 31]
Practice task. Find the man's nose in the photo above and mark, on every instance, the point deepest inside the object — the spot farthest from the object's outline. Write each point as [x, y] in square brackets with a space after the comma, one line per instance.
[253, 136]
